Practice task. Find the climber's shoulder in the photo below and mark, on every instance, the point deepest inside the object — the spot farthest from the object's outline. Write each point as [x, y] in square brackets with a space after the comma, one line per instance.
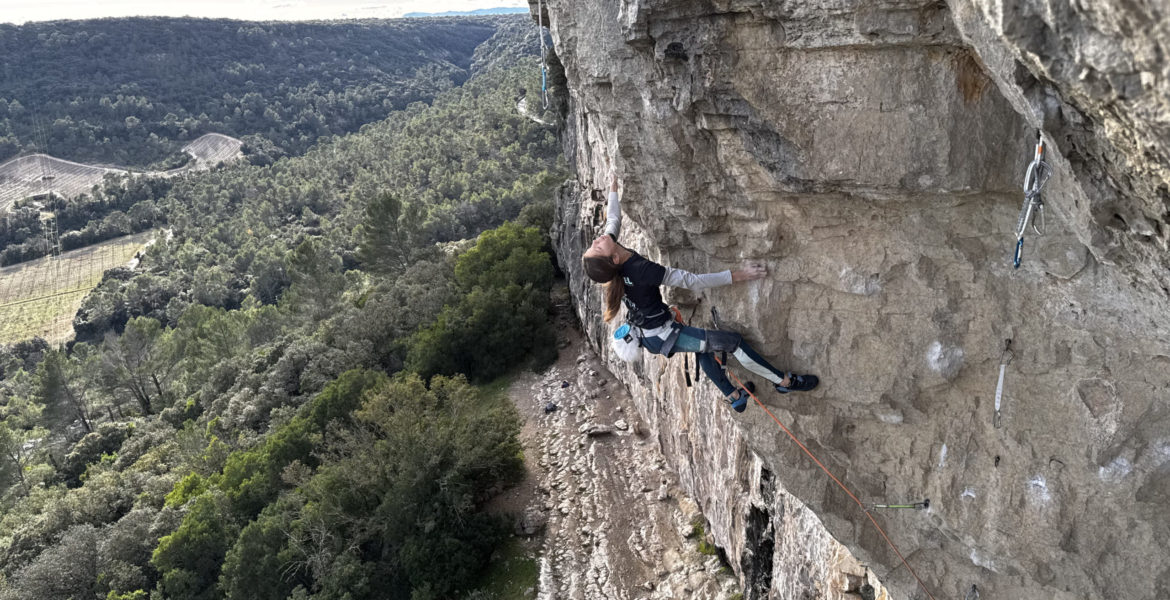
[643, 271]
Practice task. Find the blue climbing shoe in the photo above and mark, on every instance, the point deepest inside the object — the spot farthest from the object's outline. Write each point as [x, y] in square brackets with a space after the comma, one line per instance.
[739, 404]
[798, 383]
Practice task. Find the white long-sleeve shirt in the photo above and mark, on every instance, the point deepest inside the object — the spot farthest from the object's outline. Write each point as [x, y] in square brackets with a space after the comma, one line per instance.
[613, 215]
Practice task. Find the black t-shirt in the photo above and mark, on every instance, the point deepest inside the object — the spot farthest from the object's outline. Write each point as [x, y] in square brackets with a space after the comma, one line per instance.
[643, 278]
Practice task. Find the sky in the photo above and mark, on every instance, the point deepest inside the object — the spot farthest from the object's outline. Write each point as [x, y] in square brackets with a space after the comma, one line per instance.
[20, 11]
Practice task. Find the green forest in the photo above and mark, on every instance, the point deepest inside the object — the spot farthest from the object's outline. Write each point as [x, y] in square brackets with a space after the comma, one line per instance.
[288, 397]
[133, 91]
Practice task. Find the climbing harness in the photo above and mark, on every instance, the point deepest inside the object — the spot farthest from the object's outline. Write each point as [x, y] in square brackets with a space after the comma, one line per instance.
[809, 453]
[1032, 212]
[638, 317]
[543, 53]
[676, 327]
[1004, 358]
[627, 339]
[925, 504]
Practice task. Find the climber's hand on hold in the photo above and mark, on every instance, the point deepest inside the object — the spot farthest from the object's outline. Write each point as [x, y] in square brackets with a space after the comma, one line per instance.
[749, 272]
[613, 184]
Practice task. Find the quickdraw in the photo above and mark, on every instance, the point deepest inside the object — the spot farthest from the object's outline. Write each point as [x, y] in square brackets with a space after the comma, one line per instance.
[925, 504]
[1032, 212]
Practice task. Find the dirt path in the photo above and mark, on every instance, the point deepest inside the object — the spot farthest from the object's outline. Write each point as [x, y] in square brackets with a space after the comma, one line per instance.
[606, 519]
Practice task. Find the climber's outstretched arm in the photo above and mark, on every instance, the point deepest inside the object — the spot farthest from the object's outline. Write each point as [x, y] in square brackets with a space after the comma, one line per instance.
[680, 278]
[613, 210]
[684, 279]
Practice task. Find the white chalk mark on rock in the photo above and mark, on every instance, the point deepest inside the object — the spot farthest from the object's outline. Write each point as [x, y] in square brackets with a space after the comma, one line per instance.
[944, 360]
[1115, 471]
[1038, 490]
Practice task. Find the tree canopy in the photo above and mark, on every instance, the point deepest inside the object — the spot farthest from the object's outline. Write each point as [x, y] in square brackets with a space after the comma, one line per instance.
[245, 414]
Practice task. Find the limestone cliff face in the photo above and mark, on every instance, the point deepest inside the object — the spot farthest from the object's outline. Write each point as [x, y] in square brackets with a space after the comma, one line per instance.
[872, 154]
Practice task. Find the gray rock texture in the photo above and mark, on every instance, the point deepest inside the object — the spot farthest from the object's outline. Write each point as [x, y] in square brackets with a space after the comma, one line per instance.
[1096, 77]
[871, 154]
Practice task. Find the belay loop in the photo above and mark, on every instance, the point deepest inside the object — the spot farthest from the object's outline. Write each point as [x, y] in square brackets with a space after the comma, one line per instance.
[543, 53]
[1033, 209]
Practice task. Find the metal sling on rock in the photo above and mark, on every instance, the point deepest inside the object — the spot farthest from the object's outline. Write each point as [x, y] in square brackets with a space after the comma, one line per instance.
[1005, 357]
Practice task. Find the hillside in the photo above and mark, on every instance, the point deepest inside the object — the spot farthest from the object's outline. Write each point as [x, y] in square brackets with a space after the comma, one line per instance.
[210, 432]
[134, 91]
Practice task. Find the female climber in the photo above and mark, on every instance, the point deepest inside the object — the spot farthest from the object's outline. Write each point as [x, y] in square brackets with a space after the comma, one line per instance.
[634, 281]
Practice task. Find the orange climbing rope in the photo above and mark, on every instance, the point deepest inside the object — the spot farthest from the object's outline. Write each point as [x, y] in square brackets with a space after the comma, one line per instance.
[893, 547]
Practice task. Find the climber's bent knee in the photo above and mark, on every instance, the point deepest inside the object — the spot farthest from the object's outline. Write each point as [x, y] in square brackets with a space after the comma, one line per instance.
[723, 341]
